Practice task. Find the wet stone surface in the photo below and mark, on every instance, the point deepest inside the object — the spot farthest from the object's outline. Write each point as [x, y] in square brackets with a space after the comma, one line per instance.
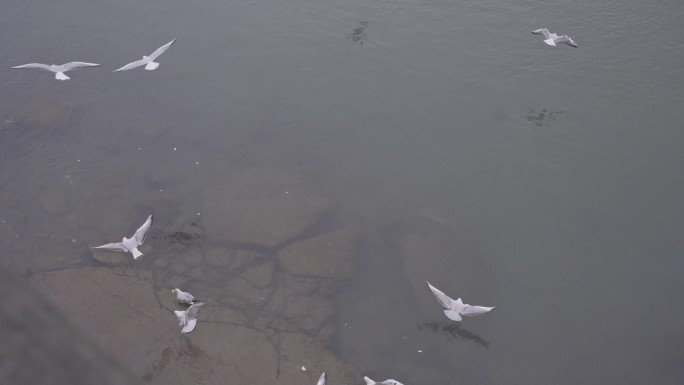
[268, 310]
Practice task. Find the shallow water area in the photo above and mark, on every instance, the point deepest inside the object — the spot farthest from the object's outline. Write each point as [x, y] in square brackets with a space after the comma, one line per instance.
[311, 163]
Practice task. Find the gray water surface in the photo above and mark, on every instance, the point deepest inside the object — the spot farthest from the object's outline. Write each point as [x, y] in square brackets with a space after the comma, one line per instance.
[545, 181]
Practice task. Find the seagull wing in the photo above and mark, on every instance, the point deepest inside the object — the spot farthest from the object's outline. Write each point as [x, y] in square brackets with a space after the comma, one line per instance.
[475, 310]
[141, 233]
[113, 247]
[181, 317]
[369, 381]
[190, 326]
[321, 380]
[77, 64]
[565, 39]
[192, 311]
[34, 65]
[442, 298]
[542, 31]
[161, 50]
[132, 65]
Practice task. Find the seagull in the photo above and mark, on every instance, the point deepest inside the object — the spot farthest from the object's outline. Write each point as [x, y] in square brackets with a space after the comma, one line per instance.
[188, 319]
[321, 381]
[551, 38]
[184, 297]
[386, 382]
[456, 309]
[130, 245]
[147, 61]
[59, 70]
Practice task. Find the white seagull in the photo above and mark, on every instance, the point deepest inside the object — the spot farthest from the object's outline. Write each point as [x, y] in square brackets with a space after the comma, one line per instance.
[130, 245]
[456, 309]
[551, 38]
[184, 297]
[386, 382]
[147, 61]
[321, 380]
[188, 318]
[59, 70]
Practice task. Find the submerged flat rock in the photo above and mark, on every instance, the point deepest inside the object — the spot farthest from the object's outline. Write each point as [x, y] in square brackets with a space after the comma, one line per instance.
[330, 255]
[260, 207]
[120, 310]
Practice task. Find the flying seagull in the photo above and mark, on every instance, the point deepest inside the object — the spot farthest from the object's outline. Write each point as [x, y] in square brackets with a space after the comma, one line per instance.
[551, 38]
[59, 70]
[147, 61]
[321, 380]
[188, 318]
[184, 297]
[456, 309]
[386, 382]
[130, 245]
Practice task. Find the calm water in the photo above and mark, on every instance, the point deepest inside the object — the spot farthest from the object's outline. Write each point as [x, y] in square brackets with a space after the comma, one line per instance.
[545, 181]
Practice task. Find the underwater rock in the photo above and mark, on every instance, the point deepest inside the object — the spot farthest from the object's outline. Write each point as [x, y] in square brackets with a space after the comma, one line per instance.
[260, 207]
[308, 313]
[331, 255]
[110, 257]
[124, 316]
[298, 349]
[260, 275]
[41, 347]
[240, 288]
[230, 258]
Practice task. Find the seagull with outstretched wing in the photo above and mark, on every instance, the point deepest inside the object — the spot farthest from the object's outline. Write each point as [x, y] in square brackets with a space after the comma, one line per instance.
[188, 318]
[147, 61]
[321, 380]
[551, 38]
[386, 382]
[59, 70]
[455, 310]
[130, 245]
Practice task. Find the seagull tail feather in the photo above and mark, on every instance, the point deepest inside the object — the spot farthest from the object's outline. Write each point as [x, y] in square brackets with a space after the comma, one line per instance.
[136, 253]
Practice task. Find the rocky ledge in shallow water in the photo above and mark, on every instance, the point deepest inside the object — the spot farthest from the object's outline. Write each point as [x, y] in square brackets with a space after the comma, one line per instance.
[259, 325]
[260, 207]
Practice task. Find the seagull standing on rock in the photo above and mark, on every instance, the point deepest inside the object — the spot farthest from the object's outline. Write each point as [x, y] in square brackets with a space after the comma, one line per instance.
[456, 309]
[147, 61]
[184, 297]
[130, 245]
[551, 38]
[188, 318]
[59, 70]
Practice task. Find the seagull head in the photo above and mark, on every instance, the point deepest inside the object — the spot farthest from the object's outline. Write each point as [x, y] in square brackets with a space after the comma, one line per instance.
[174, 291]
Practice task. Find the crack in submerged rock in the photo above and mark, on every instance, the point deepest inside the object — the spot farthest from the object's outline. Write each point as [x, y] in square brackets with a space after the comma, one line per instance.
[266, 293]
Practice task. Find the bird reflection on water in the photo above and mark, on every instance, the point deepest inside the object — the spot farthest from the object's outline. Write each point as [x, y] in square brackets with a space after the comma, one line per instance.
[455, 330]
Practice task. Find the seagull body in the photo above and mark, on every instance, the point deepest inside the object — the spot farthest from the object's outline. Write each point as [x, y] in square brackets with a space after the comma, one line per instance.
[188, 318]
[321, 380]
[130, 245]
[147, 61]
[455, 310]
[551, 38]
[59, 70]
[386, 382]
[184, 297]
